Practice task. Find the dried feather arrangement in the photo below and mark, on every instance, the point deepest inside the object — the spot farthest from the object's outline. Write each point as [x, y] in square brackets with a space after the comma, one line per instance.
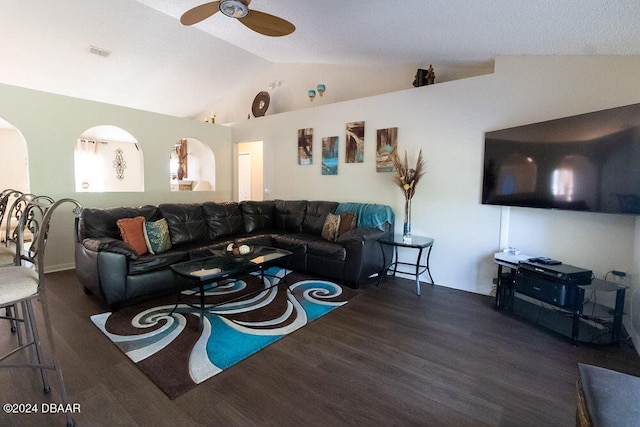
[407, 177]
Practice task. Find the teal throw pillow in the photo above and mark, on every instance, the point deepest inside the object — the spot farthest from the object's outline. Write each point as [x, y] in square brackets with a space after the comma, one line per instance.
[156, 235]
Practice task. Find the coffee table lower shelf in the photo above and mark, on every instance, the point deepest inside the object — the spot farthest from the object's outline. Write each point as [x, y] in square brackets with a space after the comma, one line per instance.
[210, 272]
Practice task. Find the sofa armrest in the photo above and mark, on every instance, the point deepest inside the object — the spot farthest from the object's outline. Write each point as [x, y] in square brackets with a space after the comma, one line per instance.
[109, 244]
[102, 273]
[361, 234]
[364, 253]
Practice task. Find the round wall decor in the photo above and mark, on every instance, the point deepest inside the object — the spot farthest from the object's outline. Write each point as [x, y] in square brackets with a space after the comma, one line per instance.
[260, 104]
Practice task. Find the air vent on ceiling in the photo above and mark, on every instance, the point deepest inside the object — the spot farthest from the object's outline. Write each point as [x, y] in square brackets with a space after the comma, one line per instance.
[100, 52]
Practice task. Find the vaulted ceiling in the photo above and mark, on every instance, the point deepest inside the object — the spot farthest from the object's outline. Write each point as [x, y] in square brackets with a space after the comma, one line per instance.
[157, 64]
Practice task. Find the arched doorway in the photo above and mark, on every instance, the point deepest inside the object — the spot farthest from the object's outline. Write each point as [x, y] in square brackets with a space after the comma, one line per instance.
[15, 173]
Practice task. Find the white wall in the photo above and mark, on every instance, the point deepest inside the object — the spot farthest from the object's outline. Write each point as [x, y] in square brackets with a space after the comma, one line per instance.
[448, 122]
[132, 173]
[201, 162]
[344, 82]
[13, 173]
[51, 124]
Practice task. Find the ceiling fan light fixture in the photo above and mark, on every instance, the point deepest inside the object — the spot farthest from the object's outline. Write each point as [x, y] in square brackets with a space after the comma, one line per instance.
[234, 8]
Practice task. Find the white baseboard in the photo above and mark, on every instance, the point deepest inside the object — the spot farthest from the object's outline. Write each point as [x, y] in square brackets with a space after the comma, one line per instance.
[59, 267]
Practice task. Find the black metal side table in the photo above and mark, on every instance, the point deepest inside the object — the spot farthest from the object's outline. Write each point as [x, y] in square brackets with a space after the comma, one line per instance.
[417, 242]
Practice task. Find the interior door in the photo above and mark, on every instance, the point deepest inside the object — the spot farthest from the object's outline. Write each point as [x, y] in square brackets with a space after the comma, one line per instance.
[244, 176]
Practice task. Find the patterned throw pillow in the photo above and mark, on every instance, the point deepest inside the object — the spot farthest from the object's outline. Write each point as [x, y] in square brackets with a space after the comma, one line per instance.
[157, 236]
[330, 227]
[132, 232]
[348, 222]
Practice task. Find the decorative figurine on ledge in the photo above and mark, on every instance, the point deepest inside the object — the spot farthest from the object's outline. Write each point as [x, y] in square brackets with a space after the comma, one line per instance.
[424, 77]
[421, 78]
[431, 76]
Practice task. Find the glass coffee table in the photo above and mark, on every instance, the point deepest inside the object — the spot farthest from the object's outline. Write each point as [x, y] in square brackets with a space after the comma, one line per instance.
[211, 271]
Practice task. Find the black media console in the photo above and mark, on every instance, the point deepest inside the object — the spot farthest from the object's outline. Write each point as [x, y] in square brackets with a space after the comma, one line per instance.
[552, 295]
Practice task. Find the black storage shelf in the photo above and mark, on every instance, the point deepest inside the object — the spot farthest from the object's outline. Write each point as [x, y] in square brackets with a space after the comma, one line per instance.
[552, 297]
[596, 323]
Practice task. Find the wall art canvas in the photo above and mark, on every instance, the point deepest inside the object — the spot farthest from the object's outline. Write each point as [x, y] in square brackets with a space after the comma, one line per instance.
[354, 143]
[305, 146]
[386, 145]
[330, 155]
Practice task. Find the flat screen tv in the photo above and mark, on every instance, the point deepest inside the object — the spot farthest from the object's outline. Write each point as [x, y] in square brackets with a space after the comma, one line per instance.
[589, 162]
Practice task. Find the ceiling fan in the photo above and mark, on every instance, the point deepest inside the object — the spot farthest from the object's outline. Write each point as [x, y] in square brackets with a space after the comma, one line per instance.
[260, 22]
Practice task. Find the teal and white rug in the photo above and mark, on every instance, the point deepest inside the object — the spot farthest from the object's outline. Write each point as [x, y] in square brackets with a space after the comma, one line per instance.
[171, 350]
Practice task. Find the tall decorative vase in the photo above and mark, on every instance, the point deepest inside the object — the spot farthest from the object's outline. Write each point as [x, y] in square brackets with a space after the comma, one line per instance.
[406, 231]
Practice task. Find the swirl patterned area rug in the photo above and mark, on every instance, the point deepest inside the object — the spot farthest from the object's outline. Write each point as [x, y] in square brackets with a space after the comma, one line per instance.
[241, 318]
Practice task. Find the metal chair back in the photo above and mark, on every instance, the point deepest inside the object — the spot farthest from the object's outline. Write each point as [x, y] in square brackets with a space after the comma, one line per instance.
[27, 232]
[7, 199]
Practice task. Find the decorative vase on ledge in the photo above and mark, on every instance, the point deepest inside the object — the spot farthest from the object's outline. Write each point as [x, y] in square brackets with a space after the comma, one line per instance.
[406, 233]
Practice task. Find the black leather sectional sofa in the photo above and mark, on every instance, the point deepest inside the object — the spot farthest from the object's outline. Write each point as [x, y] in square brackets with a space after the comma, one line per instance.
[108, 267]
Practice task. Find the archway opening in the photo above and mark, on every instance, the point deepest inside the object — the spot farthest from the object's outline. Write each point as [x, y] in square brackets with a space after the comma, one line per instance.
[192, 166]
[108, 159]
[14, 173]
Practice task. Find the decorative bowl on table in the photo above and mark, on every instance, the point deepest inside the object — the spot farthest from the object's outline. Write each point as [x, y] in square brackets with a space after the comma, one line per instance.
[238, 251]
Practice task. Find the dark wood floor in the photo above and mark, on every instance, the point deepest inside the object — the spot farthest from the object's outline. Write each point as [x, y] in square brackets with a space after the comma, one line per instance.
[389, 357]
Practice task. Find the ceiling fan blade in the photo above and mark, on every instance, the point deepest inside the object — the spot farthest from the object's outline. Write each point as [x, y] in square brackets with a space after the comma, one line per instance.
[199, 13]
[267, 24]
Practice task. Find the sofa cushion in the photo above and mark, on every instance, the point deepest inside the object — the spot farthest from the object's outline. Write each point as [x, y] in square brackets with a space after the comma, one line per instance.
[289, 214]
[132, 232]
[186, 222]
[258, 215]
[95, 223]
[326, 249]
[109, 244]
[149, 262]
[296, 243]
[258, 239]
[223, 219]
[316, 214]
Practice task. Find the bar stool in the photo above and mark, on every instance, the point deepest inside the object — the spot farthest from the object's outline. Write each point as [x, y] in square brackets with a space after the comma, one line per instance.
[21, 284]
[10, 254]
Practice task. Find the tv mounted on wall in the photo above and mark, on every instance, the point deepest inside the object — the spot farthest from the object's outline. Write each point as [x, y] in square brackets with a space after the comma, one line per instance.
[589, 162]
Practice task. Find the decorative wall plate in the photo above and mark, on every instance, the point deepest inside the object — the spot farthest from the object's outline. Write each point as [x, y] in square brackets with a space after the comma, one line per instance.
[260, 104]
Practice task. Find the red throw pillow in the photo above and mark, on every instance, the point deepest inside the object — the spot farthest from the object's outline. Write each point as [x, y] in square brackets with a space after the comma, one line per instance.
[132, 231]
